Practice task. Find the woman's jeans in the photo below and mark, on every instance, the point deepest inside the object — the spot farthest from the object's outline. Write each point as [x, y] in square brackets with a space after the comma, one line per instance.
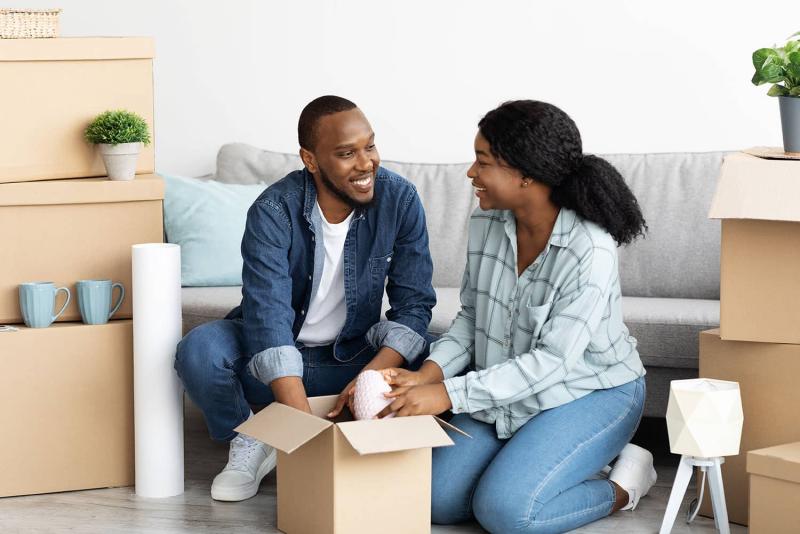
[539, 480]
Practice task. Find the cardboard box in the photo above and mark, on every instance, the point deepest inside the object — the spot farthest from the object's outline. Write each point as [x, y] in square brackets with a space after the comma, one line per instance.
[68, 230]
[53, 88]
[775, 489]
[757, 200]
[350, 477]
[767, 376]
[66, 408]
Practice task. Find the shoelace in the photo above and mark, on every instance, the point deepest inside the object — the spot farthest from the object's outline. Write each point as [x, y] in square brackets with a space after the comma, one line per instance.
[241, 451]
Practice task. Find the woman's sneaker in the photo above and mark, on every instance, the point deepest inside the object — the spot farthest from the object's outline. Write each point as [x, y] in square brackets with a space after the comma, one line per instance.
[634, 472]
[249, 461]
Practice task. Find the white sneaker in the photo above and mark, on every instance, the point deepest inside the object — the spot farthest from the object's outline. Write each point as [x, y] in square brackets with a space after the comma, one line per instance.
[249, 461]
[634, 472]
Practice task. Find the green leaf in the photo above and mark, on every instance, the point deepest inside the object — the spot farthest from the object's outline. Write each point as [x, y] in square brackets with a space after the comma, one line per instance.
[792, 46]
[761, 56]
[795, 91]
[778, 90]
[772, 73]
[795, 34]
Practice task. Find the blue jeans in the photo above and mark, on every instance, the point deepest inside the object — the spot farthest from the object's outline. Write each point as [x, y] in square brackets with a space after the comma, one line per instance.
[538, 480]
[212, 364]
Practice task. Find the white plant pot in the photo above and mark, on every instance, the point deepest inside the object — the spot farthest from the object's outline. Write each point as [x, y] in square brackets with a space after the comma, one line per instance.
[120, 160]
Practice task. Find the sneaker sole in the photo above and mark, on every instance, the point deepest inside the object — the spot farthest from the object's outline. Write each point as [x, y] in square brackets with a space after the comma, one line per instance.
[242, 493]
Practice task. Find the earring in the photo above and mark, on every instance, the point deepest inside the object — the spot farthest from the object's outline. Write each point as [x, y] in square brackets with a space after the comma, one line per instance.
[524, 183]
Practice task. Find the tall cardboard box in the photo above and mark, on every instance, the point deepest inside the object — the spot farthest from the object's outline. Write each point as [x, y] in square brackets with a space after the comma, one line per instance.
[63, 231]
[50, 91]
[767, 374]
[350, 477]
[66, 408]
[758, 201]
[775, 489]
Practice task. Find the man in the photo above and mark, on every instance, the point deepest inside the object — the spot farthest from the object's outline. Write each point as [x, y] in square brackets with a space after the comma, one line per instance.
[317, 249]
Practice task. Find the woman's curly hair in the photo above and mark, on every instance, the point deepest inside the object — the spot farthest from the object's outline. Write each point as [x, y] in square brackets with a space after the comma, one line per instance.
[543, 143]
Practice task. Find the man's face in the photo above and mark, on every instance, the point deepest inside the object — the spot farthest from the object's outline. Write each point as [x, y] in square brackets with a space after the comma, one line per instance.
[344, 159]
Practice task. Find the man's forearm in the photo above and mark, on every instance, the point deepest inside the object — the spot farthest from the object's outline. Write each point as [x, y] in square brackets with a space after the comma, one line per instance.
[386, 357]
[431, 372]
[289, 390]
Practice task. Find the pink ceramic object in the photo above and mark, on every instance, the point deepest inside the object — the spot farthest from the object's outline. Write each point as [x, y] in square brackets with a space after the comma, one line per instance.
[368, 399]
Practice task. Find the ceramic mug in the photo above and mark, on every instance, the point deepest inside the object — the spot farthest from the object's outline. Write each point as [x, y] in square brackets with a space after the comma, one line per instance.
[94, 300]
[37, 301]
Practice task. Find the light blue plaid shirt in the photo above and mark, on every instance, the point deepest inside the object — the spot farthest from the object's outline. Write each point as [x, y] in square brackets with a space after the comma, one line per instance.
[540, 340]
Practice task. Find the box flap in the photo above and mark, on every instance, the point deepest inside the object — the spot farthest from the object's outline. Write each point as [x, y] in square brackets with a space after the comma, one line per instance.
[444, 424]
[76, 48]
[82, 191]
[756, 188]
[395, 434]
[321, 406]
[781, 462]
[283, 427]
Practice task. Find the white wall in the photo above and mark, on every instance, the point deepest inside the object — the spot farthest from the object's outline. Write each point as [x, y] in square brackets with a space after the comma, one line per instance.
[635, 75]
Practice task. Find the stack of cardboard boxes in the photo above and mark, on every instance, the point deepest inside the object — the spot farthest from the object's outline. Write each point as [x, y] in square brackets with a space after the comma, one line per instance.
[758, 342]
[66, 391]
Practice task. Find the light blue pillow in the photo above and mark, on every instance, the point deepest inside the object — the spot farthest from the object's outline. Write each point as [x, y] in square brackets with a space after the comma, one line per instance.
[207, 218]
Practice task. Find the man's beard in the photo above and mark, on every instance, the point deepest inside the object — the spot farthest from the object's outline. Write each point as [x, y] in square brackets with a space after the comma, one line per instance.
[344, 197]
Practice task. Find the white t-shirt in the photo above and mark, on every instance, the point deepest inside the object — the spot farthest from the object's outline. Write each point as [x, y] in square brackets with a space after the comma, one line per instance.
[327, 311]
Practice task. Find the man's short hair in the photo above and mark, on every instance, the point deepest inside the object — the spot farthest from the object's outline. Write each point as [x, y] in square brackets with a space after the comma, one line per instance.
[314, 110]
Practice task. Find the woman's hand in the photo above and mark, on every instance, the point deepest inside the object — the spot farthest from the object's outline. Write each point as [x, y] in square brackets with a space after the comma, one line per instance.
[397, 377]
[426, 399]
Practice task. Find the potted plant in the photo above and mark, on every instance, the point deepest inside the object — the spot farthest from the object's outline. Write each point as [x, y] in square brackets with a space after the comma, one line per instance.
[780, 66]
[120, 135]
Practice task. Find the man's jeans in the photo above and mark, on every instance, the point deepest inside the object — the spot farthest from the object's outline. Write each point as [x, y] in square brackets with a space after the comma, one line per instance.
[539, 480]
[212, 364]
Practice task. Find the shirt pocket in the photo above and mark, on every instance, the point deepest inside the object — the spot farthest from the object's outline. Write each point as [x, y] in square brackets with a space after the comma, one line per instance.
[532, 319]
[378, 267]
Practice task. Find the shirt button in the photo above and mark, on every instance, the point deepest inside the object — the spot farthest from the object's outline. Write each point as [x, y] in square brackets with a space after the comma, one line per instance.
[388, 260]
[312, 238]
[309, 277]
[302, 312]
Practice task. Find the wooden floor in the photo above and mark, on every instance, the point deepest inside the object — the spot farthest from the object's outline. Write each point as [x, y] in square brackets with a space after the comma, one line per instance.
[119, 510]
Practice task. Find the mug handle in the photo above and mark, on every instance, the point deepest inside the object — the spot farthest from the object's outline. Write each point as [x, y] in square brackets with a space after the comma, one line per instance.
[121, 296]
[66, 302]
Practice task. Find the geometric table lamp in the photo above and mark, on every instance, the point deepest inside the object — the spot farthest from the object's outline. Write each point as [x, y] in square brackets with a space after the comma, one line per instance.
[704, 422]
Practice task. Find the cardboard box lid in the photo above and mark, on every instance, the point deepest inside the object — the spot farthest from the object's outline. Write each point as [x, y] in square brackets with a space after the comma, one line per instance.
[287, 429]
[81, 191]
[395, 434]
[77, 48]
[755, 188]
[283, 427]
[781, 462]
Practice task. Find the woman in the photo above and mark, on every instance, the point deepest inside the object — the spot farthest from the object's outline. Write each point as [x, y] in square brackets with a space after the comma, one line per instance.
[555, 387]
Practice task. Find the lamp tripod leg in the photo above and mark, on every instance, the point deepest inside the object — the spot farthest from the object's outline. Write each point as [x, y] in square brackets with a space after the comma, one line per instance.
[682, 478]
[718, 497]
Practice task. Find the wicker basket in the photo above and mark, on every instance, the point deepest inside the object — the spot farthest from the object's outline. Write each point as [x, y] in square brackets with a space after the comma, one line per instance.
[28, 23]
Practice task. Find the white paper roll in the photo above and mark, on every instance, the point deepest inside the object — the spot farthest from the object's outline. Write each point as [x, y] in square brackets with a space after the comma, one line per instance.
[158, 394]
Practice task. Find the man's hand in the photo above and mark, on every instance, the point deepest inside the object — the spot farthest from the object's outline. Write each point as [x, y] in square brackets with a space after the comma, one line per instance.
[427, 399]
[386, 357]
[289, 390]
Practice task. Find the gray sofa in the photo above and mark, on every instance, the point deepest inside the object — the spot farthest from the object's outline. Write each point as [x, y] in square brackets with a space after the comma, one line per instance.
[670, 280]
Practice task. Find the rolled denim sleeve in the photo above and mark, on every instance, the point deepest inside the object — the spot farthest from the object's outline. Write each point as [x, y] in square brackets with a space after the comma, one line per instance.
[277, 362]
[267, 311]
[409, 287]
[398, 337]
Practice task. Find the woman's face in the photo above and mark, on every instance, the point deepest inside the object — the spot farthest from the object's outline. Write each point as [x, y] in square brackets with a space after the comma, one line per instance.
[497, 185]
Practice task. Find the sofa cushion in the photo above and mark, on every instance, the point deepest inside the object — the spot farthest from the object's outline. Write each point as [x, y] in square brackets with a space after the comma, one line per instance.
[679, 258]
[204, 304]
[207, 219]
[668, 329]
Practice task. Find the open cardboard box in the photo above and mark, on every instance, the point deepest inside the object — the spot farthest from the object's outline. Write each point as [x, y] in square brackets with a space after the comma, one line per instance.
[348, 476]
[757, 201]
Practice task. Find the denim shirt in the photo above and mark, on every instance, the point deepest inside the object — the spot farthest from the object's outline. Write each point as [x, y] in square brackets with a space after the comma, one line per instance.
[283, 257]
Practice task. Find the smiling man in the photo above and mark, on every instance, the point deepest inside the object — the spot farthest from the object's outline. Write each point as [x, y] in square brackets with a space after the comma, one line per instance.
[318, 248]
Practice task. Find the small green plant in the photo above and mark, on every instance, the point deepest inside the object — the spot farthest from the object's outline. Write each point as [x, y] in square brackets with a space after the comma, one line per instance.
[116, 127]
[779, 65]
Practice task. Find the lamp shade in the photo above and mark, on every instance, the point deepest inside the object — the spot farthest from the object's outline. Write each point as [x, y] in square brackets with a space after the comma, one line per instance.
[704, 417]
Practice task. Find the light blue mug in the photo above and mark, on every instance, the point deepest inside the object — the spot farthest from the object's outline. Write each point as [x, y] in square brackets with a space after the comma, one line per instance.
[37, 300]
[94, 300]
